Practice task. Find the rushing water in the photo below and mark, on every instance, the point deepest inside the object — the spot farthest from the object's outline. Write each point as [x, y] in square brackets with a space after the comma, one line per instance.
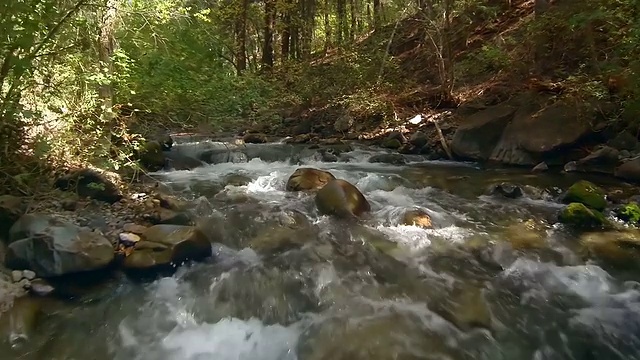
[478, 286]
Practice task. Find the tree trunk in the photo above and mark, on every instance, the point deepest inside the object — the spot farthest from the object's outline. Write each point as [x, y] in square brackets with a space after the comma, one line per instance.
[269, 22]
[327, 27]
[377, 14]
[106, 49]
[241, 39]
[342, 21]
[352, 9]
[286, 35]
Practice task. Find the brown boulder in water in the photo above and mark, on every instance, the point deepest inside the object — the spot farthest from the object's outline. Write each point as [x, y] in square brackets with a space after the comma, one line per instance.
[417, 217]
[342, 199]
[304, 179]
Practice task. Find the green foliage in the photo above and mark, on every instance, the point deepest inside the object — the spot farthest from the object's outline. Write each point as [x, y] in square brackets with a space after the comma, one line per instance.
[489, 59]
[629, 213]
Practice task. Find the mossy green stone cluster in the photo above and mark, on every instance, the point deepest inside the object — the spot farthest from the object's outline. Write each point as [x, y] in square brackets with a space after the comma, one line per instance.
[580, 216]
[586, 203]
[629, 213]
[587, 193]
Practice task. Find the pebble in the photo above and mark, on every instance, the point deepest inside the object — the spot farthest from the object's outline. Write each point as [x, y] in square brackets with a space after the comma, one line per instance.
[16, 276]
[28, 274]
[128, 239]
[25, 284]
[41, 287]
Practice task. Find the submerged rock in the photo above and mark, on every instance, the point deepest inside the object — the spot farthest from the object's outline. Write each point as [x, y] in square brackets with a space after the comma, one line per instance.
[90, 183]
[617, 248]
[394, 159]
[164, 245]
[579, 216]
[587, 193]
[305, 179]
[53, 248]
[342, 199]
[508, 190]
[19, 322]
[541, 167]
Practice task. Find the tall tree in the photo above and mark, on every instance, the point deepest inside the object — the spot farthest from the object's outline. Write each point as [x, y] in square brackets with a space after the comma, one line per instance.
[377, 14]
[342, 21]
[105, 53]
[241, 37]
[269, 24]
[327, 26]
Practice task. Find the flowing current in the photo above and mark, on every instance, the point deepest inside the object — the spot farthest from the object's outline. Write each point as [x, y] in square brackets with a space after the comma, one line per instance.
[495, 279]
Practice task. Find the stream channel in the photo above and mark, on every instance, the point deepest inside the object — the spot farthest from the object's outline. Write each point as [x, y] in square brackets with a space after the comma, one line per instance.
[496, 278]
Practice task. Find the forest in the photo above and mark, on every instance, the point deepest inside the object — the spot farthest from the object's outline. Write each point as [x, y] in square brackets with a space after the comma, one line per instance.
[85, 81]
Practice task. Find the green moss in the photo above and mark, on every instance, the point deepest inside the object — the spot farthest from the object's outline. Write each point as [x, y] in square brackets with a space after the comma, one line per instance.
[629, 213]
[579, 216]
[586, 193]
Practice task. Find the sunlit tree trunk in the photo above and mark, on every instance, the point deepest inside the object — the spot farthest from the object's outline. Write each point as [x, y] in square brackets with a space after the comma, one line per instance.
[106, 49]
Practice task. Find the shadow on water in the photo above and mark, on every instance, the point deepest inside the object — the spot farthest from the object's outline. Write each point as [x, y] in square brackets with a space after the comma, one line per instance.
[495, 278]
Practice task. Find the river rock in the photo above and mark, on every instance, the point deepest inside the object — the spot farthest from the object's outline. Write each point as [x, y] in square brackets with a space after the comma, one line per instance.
[541, 167]
[629, 170]
[507, 190]
[624, 141]
[134, 228]
[164, 245]
[525, 235]
[11, 208]
[419, 139]
[90, 183]
[579, 216]
[128, 239]
[478, 134]
[166, 216]
[466, 308]
[586, 193]
[417, 217]
[394, 159]
[41, 287]
[29, 275]
[602, 160]
[236, 180]
[254, 138]
[343, 123]
[342, 199]
[305, 179]
[52, 248]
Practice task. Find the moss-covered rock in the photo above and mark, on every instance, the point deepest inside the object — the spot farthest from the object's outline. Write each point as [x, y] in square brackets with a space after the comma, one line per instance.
[629, 213]
[579, 216]
[391, 144]
[587, 193]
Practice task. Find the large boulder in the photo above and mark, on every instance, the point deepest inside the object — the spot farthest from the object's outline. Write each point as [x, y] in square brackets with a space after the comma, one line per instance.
[587, 193]
[304, 179]
[52, 248]
[580, 217]
[11, 208]
[90, 183]
[419, 139]
[603, 160]
[165, 245]
[478, 135]
[522, 131]
[342, 199]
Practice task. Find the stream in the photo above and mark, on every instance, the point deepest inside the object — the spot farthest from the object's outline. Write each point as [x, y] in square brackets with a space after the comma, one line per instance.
[495, 279]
